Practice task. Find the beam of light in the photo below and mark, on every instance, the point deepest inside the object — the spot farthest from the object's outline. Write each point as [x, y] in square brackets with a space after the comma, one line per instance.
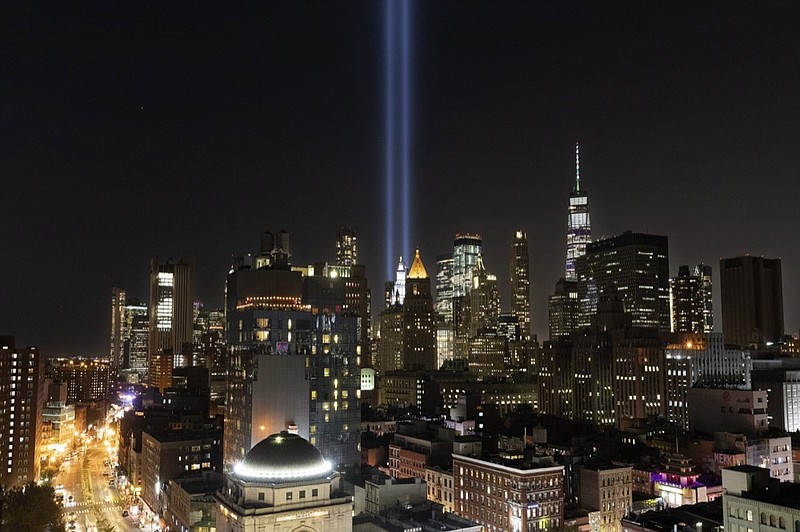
[405, 110]
[390, 81]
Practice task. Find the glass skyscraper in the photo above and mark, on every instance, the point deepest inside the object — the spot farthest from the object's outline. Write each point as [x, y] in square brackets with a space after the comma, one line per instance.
[579, 229]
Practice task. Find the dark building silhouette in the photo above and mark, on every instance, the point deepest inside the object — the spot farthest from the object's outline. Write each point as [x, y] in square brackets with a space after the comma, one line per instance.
[752, 300]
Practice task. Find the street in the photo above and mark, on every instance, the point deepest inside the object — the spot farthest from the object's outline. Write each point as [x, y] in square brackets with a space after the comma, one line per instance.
[83, 478]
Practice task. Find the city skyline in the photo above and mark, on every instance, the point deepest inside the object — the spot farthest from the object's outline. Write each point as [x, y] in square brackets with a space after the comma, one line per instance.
[147, 133]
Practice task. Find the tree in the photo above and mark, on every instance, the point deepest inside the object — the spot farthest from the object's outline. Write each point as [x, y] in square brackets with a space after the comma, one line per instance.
[103, 525]
[31, 508]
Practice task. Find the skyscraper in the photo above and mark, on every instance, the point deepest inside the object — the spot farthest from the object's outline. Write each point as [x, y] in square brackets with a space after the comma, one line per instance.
[346, 247]
[171, 318]
[400, 282]
[686, 302]
[752, 300]
[117, 328]
[484, 300]
[520, 282]
[408, 330]
[704, 272]
[136, 334]
[579, 228]
[563, 309]
[444, 308]
[466, 249]
[636, 265]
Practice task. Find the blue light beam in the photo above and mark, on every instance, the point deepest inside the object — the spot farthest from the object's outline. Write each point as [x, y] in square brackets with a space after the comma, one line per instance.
[406, 112]
[390, 81]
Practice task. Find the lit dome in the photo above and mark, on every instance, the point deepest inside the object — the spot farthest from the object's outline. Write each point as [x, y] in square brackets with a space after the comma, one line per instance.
[282, 457]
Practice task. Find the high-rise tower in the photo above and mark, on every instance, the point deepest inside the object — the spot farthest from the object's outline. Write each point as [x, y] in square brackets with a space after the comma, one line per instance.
[466, 249]
[171, 318]
[686, 302]
[520, 282]
[752, 300]
[704, 272]
[346, 247]
[117, 328]
[579, 229]
[636, 267]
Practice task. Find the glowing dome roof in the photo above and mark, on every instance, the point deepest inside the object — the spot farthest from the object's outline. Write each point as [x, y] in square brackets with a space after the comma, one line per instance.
[282, 457]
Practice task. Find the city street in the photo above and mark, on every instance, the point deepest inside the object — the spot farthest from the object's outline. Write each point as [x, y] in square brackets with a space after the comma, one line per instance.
[83, 478]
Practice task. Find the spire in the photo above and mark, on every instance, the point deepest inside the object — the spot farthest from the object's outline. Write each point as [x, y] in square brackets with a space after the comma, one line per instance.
[417, 270]
[577, 168]
[479, 266]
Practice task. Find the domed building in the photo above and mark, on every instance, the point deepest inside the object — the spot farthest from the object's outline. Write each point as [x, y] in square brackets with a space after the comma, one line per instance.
[283, 485]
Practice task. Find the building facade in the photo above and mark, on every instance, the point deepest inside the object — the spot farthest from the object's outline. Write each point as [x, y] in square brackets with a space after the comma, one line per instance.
[519, 270]
[283, 485]
[751, 292]
[171, 314]
[686, 299]
[636, 266]
[22, 398]
[508, 496]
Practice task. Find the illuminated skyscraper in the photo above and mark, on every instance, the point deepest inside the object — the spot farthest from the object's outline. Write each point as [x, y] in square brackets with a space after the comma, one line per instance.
[400, 282]
[408, 338]
[135, 336]
[466, 249]
[704, 272]
[686, 302]
[444, 308]
[171, 318]
[563, 309]
[346, 247]
[484, 300]
[579, 229]
[520, 282]
[636, 266]
[117, 328]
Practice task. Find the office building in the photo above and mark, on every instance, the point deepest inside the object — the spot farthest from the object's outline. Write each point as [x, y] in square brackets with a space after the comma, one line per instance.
[727, 410]
[283, 484]
[721, 364]
[519, 269]
[116, 353]
[466, 249]
[444, 308]
[135, 338]
[346, 247]
[562, 309]
[399, 286]
[636, 265]
[751, 293]
[783, 395]
[169, 454]
[704, 272]
[509, 495]
[686, 299]
[484, 300]
[579, 227]
[171, 315]
[22, 398]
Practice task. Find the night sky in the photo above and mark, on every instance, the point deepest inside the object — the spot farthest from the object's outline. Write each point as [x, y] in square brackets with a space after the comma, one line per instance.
[177, 128]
